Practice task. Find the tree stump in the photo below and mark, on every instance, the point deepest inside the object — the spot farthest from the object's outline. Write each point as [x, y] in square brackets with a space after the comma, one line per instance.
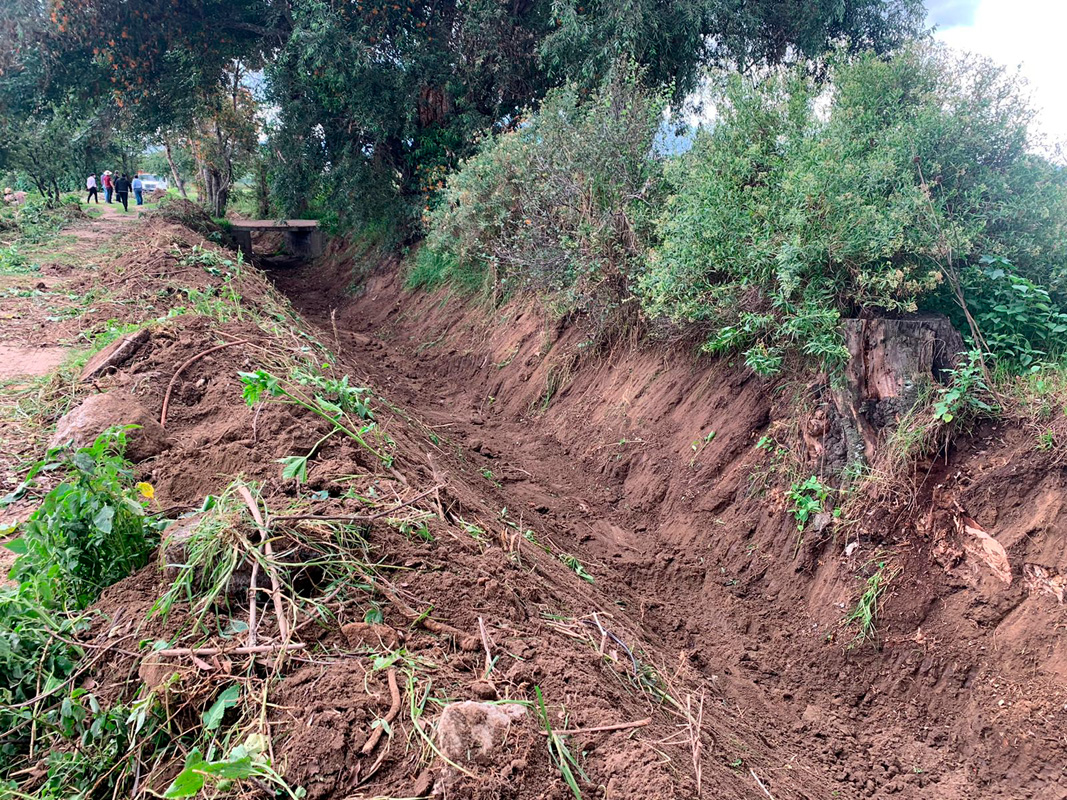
[889, 362]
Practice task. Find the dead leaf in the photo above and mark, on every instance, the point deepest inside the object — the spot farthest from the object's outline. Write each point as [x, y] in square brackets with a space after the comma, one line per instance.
[987, 549]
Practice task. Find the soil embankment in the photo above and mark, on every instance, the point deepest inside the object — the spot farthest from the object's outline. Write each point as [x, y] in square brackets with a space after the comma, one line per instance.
[963, 693]
[599, 527]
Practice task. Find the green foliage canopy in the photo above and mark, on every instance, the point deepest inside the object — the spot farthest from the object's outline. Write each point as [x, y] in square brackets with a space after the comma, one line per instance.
[782, 219]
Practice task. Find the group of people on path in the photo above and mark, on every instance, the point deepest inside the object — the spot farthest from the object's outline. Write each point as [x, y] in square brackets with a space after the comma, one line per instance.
[117, 187]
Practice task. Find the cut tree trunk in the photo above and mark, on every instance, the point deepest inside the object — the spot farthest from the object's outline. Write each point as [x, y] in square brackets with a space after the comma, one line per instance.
[889, 362]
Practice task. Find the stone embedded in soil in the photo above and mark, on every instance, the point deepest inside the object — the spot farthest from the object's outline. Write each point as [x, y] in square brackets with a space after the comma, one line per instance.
[99, 412]
[372, 634]
[472, 733]
[115, 354]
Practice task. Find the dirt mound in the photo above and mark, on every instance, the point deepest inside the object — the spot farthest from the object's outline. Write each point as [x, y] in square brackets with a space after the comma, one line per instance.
[668, 475]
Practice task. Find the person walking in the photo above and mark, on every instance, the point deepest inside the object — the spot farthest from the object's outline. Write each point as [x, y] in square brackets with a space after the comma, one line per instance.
[138, 189]
[94, 194]
[122, 191]
[109, 185]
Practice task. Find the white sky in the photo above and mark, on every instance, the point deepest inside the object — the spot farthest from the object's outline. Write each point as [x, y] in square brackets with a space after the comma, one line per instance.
[1028, 34]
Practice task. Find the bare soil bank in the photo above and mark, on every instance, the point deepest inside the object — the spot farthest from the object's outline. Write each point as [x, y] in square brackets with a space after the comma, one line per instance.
[963, 695]
[707, 615]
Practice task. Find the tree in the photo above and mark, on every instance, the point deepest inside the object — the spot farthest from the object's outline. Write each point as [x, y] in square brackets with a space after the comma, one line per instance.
[782, 222]
[223, 140]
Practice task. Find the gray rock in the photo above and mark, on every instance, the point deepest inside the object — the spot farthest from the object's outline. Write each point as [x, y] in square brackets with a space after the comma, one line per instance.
[471, 734]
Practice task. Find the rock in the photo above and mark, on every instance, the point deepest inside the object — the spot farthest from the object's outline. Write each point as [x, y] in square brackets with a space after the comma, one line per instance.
[473, 733]
[99, 412]
[484, 690]
[175, 548]
[115, 354]
[359, 634]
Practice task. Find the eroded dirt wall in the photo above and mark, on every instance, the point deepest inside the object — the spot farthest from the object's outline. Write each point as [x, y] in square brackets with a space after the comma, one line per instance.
[961, 695]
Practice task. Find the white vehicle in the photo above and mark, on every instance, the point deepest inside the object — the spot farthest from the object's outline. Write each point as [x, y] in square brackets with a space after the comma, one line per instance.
[153, 182]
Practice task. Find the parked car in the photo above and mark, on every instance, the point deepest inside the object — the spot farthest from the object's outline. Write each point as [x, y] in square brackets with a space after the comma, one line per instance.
[153, 182]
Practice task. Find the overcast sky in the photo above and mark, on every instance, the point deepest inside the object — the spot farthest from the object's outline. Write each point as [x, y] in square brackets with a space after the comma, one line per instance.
[1016, 33]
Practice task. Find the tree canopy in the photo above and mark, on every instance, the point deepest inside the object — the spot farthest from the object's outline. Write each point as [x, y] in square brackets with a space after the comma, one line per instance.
[375, 100]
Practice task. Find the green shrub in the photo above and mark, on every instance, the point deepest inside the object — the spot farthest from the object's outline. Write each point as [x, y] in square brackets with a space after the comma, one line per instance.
[560, 204]
[89, 531]
[1021, 323]
[783, 219]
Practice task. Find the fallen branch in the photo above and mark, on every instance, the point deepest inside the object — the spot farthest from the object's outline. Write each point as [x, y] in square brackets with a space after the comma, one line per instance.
[352, 517]
[182, 368]
[759, 783]
[276, 591]
[235, 651]
[622, 726]
[394, 709]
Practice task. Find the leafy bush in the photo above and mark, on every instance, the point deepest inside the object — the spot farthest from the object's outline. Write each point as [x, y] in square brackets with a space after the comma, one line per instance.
[560, 203]
[1021, 323]
[33, 659]
[783, 219]
[88, 533]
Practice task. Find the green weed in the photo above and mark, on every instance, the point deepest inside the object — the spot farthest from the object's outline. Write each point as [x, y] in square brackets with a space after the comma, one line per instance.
[807, 498]
[559, 752]
[89, 532]
[333, 400]
[865, 614]
[573, 563]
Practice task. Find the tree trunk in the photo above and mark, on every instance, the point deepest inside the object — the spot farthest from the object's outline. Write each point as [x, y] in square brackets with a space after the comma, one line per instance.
[889, 362]
[174, 170]
[262, 190]
[216, 190]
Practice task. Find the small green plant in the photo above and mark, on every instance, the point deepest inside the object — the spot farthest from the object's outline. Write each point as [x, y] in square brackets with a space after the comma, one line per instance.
[1046, 441]
[808, 498]
[13, 262]
[246, 761]
[333, 400]
[865, 613]
[965, 395]
[89, 532]
[573, 563]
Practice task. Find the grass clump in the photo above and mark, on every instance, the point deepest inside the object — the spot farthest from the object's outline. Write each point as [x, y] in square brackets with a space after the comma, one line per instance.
[865, 613]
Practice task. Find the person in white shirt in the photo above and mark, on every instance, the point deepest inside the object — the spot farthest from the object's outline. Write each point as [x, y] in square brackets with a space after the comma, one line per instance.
[94, 194]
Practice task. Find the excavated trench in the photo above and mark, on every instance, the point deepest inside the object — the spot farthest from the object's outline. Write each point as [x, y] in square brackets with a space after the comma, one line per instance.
[643, 464]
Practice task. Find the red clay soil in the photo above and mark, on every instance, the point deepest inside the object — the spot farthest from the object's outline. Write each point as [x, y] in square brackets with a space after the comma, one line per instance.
[707, 615]
[962, 695]
[495, 562]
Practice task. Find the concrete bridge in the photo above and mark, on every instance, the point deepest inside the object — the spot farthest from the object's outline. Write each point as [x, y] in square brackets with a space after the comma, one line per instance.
[302, 236]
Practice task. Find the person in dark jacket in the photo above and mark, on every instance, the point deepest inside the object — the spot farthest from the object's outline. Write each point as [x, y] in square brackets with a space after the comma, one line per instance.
[122, 191]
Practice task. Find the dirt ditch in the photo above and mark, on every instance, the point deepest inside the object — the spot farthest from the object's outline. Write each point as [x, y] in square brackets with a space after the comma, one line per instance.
[962, 695]
[597, 530]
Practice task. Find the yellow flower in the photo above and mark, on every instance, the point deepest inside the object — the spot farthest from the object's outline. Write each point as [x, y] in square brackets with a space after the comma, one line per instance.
[146, 490]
